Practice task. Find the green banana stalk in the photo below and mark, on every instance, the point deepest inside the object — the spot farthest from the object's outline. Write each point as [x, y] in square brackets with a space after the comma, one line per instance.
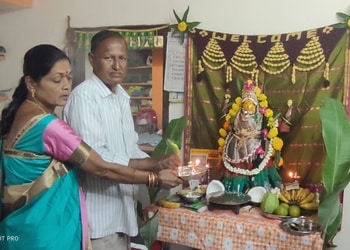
[170, 144]
[336, 172]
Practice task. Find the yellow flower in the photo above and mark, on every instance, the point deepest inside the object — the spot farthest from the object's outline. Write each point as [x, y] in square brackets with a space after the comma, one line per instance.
[348, 23]
[232, 112]
[269, 113]
[263, 104]
[238, 100]
[222, 132]
[272, 133]
[228, 117]
[257, 90]
[221, 149]
[235, 107]
[182, 26]
[262, 97]
[277, 143]
[221, 142]
[271, 122]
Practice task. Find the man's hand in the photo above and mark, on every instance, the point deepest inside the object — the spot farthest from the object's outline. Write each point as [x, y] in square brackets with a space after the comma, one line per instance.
[168, 162]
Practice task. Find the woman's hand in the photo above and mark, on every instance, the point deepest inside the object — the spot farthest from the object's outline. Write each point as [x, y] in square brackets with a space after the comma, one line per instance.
[168, 178]
[168, 162]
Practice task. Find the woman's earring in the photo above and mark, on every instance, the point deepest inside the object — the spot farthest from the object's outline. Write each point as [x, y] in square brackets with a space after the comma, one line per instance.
[33, 92]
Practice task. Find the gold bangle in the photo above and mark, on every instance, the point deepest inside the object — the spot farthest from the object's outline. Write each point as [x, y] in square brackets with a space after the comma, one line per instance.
[159, 183]
[149, 179]
[153, 179]
[156, 179]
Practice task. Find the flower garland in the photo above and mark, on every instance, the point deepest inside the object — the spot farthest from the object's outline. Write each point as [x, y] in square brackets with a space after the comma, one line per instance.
[269, 133]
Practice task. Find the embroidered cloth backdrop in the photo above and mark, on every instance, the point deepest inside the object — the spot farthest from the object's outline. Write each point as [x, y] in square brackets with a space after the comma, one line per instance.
[302, 66]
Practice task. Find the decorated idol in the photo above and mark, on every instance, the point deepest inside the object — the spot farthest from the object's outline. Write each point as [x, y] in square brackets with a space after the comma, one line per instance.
[249, 142]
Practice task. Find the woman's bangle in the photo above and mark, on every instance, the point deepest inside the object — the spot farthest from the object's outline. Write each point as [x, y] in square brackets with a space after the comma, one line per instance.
[154, 179]
[149, 178]
[160, 182]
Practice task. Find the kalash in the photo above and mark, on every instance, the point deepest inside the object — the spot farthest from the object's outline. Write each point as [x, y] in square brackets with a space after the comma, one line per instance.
[249, 143]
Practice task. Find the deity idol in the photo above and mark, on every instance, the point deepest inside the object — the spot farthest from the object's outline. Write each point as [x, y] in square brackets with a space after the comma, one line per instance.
[249, 143]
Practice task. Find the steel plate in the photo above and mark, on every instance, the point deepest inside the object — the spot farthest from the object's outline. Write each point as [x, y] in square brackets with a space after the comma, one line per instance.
[300, 226]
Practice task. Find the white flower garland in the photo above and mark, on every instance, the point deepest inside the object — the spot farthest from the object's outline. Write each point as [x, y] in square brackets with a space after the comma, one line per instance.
[261, 166]
[254, 171]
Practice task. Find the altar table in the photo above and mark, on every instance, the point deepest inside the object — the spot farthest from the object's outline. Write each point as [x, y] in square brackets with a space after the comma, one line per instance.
[225, 230]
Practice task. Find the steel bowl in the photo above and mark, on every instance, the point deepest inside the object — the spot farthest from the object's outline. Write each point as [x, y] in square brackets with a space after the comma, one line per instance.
[190, 196]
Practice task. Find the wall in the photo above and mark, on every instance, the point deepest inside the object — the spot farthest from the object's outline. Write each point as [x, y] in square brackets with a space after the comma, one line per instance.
[46, 22]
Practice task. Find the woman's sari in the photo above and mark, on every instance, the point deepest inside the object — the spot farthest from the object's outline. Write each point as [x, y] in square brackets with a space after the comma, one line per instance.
[53, 219]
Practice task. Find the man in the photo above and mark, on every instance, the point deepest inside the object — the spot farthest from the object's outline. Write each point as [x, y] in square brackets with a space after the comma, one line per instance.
[99, 111]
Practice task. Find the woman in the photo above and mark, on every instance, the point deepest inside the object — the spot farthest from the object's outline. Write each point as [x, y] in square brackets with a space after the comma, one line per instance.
[43, 207]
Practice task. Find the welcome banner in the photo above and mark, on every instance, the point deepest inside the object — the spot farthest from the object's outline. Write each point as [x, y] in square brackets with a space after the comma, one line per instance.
[303, 66]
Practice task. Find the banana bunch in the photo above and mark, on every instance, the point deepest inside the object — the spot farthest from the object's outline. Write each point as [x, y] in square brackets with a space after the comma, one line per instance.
[301, 197]
[168, 204]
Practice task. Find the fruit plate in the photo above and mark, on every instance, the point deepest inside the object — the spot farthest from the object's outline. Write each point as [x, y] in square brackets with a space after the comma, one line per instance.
[275, 216]
[300, 226]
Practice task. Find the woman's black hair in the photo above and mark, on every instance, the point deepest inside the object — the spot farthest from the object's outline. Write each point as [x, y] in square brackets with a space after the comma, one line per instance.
[38, 61]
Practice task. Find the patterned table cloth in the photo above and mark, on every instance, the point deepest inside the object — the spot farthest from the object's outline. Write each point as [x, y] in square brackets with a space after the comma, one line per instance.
[225, 230]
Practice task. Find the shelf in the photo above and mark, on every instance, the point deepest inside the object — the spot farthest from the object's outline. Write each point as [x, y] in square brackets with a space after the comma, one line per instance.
[141, 97]
[144, 81]
[140, 67]
[10, 5]
[136, 84]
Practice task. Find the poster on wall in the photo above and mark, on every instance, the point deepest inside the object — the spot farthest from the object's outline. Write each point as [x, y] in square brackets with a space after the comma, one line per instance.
[176, 97]
[175, 64]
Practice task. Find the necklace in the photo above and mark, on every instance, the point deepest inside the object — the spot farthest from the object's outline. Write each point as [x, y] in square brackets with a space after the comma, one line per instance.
[38, 105]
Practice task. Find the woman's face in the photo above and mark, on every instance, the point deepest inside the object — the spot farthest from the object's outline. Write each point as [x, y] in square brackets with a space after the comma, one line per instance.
[54, 88]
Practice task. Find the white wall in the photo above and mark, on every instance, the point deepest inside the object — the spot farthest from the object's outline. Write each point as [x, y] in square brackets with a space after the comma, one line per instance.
[46, 22]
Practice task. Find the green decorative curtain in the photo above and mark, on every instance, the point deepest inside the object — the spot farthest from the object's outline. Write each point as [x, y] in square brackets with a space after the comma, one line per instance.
[302, 66]
[136, 39]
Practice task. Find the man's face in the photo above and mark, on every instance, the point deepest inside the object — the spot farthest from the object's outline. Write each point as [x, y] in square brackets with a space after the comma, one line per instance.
[110, 61]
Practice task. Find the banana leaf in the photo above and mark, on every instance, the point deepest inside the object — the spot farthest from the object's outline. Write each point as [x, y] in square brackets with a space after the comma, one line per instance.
[172, 138]
[335, 173]
[170, 144]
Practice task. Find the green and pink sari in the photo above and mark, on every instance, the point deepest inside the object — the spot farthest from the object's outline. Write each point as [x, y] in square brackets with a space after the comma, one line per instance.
[55, 217]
